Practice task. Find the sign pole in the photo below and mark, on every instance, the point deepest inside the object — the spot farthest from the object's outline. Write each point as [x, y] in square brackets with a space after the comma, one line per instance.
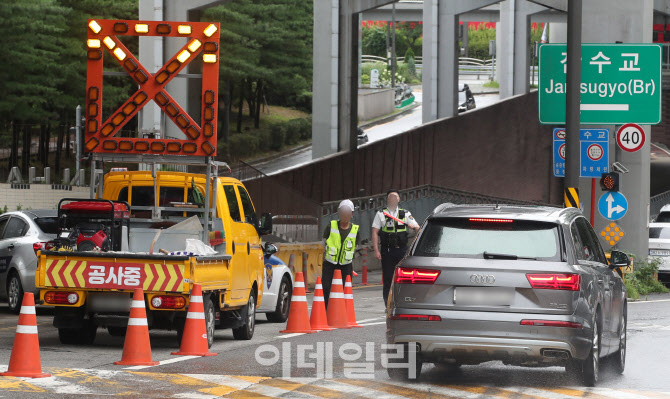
[572, 103]
[593, 201]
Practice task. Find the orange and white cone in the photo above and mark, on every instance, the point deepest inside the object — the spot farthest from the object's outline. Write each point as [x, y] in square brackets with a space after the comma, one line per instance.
[319, 320]
[337, 309]
[194, 340]
[137, 347]
[298, 314]
[25, 358]
[349, 301]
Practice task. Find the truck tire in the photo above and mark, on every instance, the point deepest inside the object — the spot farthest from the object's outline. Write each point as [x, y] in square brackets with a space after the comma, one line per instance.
[210, 321]
[280, 314]
[246, 332]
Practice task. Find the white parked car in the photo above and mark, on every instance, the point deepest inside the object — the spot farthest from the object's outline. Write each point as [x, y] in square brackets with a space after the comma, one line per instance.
[277, 291]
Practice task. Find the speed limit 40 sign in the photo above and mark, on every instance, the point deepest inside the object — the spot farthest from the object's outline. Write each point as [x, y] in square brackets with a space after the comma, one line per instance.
[630, 137]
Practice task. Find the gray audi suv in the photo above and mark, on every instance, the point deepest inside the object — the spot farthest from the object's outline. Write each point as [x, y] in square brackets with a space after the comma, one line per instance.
[529, 286]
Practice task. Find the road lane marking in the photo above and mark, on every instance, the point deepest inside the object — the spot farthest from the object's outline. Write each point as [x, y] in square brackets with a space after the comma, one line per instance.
[576, 392]
[652, 301]
[294, 386]
[199, 385]
[61, 386]
[397, 389]
[15, 384]
[366, 320]
[349, 389]
[162, 362]
[289, 335]
[373, 324]
[490, 391]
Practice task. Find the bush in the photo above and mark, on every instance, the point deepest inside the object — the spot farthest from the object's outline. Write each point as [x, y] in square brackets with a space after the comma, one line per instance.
[277, 136]
[264, 140]
[644, 280]
[365, 79]
[243, 145]
[305, 128]
[292, 132]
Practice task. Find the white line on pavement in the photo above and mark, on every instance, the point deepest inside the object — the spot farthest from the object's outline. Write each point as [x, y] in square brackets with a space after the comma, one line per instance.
[162, 362]
[366, 320]
[656, 300]
[289, 335]
[372, 324]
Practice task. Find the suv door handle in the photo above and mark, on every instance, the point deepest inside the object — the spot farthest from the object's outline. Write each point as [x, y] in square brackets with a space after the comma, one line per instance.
[10, 246]
[600, 281]
[612, 283]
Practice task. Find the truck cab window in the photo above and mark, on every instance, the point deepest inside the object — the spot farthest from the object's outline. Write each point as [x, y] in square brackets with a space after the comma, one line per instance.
[247, 206]
[233, 204]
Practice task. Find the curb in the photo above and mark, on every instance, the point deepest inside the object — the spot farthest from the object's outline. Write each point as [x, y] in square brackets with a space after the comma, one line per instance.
[277, 155]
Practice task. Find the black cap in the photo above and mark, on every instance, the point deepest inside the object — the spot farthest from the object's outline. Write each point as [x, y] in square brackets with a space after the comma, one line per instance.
[393, 191]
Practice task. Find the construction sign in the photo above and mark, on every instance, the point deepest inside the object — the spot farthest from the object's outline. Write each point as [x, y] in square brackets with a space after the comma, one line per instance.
[203, 37]
[113, 275]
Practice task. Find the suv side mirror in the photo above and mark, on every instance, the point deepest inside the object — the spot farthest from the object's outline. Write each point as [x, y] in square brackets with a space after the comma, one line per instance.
[265, 224]
[619, 259]
[270, 249]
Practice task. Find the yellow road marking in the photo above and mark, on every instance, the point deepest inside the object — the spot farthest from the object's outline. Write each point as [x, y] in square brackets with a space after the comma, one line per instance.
[14, 384]
[576, 393]
[81, 377]
[178, 379]
[308, 389]
[491, 391]
[395, 389]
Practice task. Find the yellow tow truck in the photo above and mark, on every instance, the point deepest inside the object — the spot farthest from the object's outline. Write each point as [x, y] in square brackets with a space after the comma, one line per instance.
[148, 229]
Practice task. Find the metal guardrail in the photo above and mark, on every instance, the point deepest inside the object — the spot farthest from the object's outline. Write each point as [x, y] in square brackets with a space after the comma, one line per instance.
[420, 201]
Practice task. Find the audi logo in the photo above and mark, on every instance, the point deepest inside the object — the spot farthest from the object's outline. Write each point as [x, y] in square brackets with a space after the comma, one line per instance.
[482, 279]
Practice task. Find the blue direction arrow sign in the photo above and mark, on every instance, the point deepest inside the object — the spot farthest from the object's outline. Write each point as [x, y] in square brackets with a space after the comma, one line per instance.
[594, 155]
[613, 205]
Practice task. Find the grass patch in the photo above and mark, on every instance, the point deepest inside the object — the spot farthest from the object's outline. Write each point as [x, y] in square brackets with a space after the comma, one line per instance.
[644, 279]
[492, 84]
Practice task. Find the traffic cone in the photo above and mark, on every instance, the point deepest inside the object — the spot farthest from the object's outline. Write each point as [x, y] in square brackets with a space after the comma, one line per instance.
[136, 347]
[194, 340]
[319, 319]
[298, 316]
[25, 358]
[349, 302]
[337, 309]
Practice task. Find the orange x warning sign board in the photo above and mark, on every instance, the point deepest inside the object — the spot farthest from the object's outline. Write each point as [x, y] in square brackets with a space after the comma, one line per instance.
[203, 38]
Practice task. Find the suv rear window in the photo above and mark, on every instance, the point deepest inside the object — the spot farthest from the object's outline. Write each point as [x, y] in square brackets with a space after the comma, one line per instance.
[462, 238]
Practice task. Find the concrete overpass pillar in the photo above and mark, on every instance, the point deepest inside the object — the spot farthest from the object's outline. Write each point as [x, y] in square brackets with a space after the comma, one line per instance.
[513, 38]
[440, 55]
[609, 21]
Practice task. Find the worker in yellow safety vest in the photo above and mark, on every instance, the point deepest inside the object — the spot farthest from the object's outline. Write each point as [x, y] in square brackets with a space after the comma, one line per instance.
[341, 238]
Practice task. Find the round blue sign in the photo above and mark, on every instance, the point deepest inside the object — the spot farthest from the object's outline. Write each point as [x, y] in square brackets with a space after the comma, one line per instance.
[613, 205]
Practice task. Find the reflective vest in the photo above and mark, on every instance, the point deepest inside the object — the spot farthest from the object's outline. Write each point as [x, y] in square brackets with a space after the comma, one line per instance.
[393, 233]
[341, 252]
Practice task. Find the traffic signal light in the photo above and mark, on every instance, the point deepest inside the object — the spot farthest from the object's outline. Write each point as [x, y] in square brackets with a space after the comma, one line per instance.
[610, 181]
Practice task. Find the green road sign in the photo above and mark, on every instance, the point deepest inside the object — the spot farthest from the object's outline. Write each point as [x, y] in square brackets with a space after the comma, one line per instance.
[621, 83]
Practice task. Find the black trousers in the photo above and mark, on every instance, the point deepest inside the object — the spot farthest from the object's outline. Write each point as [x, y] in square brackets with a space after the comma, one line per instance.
[390, 259]
[327, 271]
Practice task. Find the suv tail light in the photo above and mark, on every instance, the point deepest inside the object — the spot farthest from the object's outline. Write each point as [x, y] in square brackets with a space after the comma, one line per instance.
[551, 323]
[410, 275]
[61, 297]
[417, 317]
[554, 281]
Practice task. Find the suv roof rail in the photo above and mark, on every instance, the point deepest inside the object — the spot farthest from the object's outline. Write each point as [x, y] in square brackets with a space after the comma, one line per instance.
[442, 207]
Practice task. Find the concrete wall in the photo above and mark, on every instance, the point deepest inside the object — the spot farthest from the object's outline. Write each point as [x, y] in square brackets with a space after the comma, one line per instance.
[500, 150]
[38, 196]
[373, 103]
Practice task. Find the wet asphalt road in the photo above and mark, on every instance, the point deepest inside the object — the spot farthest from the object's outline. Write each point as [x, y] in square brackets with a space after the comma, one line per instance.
[290, 365]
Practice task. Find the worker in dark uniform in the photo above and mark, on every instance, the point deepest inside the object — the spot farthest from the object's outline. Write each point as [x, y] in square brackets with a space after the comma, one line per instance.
[390, 236]
[341, 238]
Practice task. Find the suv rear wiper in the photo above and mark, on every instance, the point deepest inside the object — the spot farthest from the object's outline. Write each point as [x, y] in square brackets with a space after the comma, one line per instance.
[489, 255]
